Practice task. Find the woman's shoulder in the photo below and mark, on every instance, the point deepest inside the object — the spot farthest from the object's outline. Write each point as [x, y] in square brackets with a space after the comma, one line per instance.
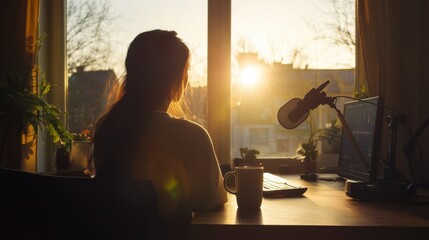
[187, 125]
[186, 128]
[185, 135]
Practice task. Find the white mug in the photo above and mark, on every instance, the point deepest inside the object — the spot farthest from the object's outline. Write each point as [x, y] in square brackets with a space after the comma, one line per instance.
[248, 185]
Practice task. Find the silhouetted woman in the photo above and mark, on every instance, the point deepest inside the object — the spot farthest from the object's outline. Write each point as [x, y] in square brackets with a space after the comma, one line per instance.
[138, 139]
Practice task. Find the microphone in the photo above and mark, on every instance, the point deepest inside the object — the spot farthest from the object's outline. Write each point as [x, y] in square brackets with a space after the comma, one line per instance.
[296, 110]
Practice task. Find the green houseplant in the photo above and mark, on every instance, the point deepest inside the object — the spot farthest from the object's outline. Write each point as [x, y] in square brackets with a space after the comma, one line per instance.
[24, 109]
[330, 137]
[308, 150]
[25, 106]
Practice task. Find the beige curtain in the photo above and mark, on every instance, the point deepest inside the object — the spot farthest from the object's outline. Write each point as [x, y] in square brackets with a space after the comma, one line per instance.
[394, 52]
[18, 35]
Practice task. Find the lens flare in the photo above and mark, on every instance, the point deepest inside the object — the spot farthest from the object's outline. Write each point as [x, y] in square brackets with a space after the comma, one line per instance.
[172, 187]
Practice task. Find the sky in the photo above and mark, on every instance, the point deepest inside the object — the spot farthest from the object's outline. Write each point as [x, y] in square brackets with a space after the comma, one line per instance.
[273, 28]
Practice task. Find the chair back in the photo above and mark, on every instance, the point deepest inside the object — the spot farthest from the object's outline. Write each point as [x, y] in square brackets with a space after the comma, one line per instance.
[36, 206]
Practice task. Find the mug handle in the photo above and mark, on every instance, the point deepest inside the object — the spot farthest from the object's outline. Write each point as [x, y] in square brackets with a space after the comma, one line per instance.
[225, 180]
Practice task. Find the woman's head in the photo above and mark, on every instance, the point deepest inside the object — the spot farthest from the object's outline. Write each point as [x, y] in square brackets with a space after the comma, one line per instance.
[157, 63]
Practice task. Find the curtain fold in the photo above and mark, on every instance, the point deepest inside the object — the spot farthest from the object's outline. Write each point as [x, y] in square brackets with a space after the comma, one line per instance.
[372, 32]
[18, 42]
[19, 34]
[394, 47]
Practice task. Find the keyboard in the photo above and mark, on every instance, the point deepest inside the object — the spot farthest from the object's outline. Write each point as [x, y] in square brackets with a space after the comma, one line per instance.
[276, 186]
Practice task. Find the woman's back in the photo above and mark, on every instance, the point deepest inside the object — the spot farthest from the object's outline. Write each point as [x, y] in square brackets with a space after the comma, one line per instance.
[137, 139]
[178, 157]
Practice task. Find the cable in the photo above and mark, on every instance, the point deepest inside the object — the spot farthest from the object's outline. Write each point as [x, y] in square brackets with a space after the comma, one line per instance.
[384, 161]
[414, 141]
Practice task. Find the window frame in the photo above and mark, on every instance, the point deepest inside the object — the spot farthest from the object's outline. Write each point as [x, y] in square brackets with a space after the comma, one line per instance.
[219, 77]
[53, 62]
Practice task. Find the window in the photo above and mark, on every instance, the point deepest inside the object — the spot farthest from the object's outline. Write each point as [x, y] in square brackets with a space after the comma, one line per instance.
[279, 50]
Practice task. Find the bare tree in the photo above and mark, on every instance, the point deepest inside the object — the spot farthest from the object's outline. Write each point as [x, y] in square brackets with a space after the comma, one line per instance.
[340, 22]
[88, 35]
[344, 23]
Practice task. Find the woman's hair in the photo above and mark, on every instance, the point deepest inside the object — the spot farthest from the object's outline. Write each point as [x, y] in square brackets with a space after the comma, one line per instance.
[156, 64]
[156, 74]
[156, 71]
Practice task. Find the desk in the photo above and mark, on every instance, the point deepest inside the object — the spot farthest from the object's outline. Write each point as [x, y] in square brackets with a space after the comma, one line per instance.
[324, 212]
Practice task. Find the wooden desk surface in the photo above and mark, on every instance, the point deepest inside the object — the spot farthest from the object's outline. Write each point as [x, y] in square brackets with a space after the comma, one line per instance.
[324, 212]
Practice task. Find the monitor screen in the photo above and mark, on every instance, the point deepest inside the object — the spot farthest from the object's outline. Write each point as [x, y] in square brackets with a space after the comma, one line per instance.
[364, 118]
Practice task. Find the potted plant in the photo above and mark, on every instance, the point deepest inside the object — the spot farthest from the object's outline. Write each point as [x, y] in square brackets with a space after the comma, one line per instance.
[23, 106]
[62, 158]
[24, 109]
[80, 150]
[248, 157]
[308, 150]
[330, 137]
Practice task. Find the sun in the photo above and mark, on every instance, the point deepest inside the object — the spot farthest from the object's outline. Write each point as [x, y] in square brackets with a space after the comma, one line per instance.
[250, 76]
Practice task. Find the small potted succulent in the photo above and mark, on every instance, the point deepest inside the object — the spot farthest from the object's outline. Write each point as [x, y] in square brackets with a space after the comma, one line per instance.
[248, 157]
[74, 155]
[80, 150]
[308, 150]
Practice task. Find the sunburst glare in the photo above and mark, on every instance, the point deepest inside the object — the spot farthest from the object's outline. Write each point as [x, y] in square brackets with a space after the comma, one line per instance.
[250, 76]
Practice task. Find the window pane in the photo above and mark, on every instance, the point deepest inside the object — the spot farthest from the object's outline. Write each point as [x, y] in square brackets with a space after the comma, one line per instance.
[281, 49]
[98, 35]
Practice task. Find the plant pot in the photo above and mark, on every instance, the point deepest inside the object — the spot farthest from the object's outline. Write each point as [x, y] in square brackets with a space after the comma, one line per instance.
[309, 166]
[79, 155]
[62, 159]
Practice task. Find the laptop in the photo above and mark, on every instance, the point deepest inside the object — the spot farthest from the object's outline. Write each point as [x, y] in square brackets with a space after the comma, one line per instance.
[364, 118]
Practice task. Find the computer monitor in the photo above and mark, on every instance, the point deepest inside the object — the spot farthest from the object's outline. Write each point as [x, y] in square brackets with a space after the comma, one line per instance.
[364, 118]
